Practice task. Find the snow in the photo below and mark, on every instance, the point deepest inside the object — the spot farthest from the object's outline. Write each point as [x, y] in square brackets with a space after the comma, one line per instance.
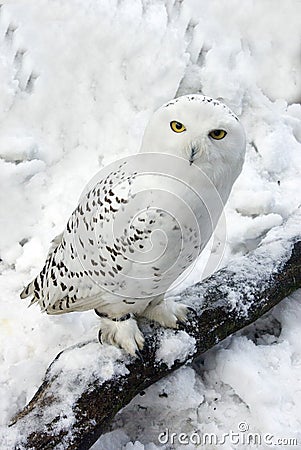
[174, 347]
[273, 250]
[79, 81]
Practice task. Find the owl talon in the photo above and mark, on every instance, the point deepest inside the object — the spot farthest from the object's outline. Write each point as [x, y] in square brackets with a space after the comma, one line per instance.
[168, 313]
[121, 333]
[99, 337]
[139, 354]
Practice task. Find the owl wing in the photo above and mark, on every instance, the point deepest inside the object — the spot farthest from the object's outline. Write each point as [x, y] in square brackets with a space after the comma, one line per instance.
[78, 265]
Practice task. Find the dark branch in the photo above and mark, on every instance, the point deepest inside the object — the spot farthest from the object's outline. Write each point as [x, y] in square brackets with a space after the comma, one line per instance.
[77, 401]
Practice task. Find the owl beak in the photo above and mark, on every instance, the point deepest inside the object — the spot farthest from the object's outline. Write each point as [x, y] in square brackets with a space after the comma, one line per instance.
[193, 152]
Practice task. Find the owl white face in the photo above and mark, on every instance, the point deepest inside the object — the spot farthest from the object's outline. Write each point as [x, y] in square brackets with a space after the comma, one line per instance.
[197, 128]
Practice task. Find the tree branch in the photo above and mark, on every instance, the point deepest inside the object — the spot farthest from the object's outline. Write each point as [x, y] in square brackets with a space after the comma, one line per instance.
[87, 384]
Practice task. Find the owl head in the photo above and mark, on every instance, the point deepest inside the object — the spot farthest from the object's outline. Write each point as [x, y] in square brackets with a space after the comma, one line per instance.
[202, 131]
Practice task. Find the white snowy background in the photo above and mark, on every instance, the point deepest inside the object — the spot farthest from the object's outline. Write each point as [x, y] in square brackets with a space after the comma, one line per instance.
[78, 82]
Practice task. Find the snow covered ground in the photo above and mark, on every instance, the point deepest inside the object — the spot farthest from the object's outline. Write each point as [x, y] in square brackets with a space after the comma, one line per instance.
[78, 82]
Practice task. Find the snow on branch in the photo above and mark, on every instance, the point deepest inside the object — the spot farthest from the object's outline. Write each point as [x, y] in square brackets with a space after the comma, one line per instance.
[87, 384]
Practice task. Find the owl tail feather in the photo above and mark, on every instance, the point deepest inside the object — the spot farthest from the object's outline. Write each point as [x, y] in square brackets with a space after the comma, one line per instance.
[27, 291]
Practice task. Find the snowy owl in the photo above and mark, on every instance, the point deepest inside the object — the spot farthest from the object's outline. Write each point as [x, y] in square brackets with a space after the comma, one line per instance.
[143, 220]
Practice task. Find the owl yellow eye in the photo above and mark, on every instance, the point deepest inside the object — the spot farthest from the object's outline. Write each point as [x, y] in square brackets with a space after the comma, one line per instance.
[177, 127]
[217, 134]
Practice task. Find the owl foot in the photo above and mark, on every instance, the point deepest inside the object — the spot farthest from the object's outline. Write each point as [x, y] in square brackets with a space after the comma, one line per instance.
[167, 313]
[122, 333]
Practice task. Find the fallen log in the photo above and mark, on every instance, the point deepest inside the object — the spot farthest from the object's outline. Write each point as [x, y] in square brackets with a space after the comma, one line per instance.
[87, 384]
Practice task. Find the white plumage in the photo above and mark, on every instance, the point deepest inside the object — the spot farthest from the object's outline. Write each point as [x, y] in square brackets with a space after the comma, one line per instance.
[144, 220]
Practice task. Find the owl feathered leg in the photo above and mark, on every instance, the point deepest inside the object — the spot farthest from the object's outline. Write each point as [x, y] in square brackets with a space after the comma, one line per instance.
[166, 312]
[122, 332]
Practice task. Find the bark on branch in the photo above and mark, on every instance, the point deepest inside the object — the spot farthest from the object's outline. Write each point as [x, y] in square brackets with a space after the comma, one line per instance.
[86, 385]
